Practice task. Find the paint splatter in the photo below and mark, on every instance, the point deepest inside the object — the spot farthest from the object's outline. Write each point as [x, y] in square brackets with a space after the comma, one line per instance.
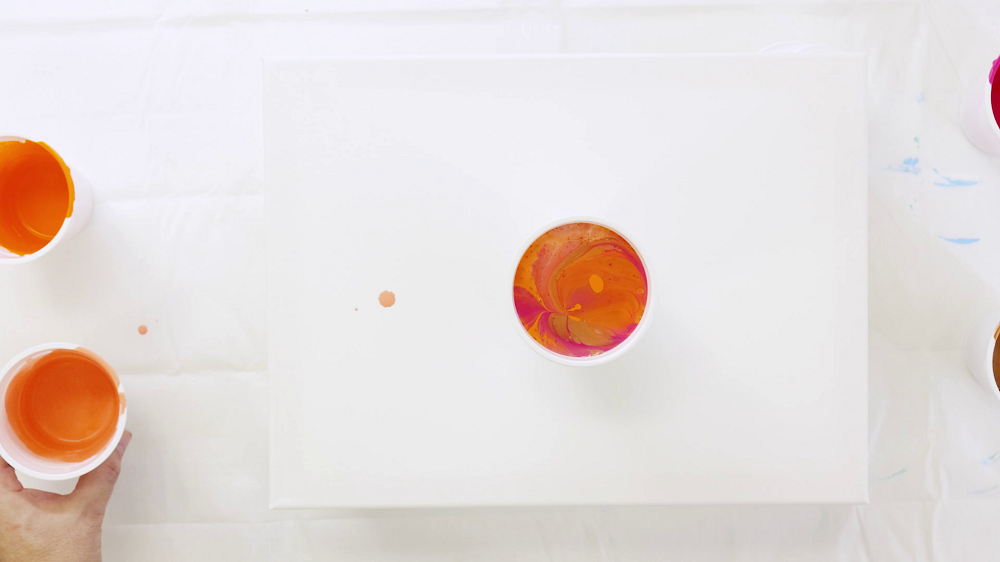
[985, 490]
[917, 140]
[143, 329]
[920, 98]
[909, 166]
[893, 475]
[948, 181]
[960, 240]
[386, 299]
[355, 310]
[990, 459]
[952, 182]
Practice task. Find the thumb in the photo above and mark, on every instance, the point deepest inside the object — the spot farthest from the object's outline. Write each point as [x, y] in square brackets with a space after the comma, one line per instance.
[94, 488]
[8, 480]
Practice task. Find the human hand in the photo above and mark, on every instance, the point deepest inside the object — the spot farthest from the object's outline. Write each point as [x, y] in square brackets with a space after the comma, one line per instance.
[37, 526]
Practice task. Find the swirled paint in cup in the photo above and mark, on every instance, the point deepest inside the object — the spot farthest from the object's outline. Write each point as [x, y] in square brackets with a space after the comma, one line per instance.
[580, 289]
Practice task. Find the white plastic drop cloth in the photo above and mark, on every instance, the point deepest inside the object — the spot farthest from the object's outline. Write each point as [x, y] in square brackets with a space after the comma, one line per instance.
[159, 105]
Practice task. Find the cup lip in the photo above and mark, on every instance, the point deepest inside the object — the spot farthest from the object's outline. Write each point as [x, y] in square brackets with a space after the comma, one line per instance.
[990, 350]
[55, 239]
[632, 338]
[994, 126]
[94, 461]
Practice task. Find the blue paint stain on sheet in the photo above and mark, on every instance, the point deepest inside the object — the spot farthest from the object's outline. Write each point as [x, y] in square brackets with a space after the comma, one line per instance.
[953, 182]
[893, 475]
[990, 459]
[909, 166]
[985, 490]
[920, 98]
[960, 240]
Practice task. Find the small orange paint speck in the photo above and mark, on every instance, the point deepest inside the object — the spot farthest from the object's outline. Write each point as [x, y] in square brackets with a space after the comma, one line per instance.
[387, 299]
[355, 310]
[143, 329]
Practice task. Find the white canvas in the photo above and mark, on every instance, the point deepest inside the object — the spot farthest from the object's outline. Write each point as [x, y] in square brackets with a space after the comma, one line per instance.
[742, 180]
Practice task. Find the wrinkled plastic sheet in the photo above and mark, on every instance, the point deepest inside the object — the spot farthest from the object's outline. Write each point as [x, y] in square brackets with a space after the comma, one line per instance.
[159, 105]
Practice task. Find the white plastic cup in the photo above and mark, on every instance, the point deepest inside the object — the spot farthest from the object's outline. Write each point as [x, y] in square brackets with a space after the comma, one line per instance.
[27, 462]
[618, 350]
[978, 121]
[83, 205]
[980, 345]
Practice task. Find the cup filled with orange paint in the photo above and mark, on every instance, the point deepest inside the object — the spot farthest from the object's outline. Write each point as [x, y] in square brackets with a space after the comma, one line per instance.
[63, 411]
[41, 202]
[581, 292]
[981, 352]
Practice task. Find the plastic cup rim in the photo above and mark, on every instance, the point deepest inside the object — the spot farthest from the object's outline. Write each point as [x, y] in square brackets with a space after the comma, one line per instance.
[990, 350]
[994, 126]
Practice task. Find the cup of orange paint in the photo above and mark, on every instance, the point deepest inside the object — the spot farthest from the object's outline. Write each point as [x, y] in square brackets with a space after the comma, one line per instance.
[63, 411]
[41, 202]
[582, 291]
[981, 353]
[981, 111]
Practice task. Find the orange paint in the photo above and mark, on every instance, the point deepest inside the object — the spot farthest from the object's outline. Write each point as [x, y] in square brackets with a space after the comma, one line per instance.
[143, 329]
[996, 365]
[597, 284]
[996, 357]
[580, 289]
[64, 405]
[36, 195]
[387, 298]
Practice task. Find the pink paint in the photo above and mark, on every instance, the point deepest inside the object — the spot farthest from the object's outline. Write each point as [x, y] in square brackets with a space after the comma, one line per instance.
[995, 92]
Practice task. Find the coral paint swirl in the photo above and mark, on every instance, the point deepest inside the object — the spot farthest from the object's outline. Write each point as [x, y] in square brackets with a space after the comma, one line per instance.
[580, 289]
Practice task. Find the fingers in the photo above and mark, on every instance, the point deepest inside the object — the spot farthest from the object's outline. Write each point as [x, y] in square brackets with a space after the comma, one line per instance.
[8, 480]
[94, 488]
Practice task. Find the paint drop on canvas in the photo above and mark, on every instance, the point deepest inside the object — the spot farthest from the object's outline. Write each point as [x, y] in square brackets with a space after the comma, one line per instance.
[387, 299]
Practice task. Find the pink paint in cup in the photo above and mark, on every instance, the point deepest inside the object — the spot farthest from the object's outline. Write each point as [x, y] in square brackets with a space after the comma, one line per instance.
[981, 112]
